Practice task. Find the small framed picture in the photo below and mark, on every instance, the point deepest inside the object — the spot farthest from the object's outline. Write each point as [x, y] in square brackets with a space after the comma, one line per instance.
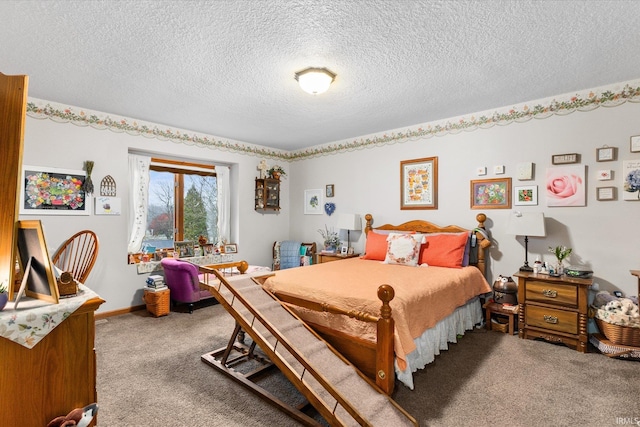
[183, 249]
[313, 202]
[606, 193]
[605, 175]
[329, 191]
[231, 248]
[563, 159]
[635, 144]
[207, 249]
[526, 195]
[350, 251]
[344, 250]
[606, 154]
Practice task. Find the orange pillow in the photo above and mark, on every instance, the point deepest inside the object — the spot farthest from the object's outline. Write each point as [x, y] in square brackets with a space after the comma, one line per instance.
[444, 250]
[376, 247]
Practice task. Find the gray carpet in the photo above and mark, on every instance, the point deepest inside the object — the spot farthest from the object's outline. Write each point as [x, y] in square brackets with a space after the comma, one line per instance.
[150, 374]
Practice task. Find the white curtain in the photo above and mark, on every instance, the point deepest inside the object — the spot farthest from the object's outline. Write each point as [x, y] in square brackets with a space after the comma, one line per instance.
[224, 202]
[138, 200]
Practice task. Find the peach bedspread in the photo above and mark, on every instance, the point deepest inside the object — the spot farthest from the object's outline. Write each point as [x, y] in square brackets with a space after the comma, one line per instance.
[423, 295]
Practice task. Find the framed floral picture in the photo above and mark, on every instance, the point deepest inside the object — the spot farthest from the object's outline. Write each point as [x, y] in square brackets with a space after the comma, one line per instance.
[491, 193]
[566, 186]
[419, 183]
[53, 191]
[525, 195]
[631, 177]
[313, 202]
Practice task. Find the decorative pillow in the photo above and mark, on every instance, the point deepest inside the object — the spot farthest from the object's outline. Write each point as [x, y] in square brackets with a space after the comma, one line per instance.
[444, 250]
[376, 247]
[403, 249]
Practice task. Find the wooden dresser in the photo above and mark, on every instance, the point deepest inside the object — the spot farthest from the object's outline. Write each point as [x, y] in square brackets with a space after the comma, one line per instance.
[554, 309]
[57, 375]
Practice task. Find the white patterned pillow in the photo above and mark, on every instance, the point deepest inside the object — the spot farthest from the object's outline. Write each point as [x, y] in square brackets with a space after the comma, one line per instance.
[403, 249]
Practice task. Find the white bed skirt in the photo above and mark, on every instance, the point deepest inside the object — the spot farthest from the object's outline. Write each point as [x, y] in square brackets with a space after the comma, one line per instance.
[433, 340]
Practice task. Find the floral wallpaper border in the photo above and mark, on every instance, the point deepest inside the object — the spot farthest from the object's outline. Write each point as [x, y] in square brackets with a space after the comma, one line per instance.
[588, 100]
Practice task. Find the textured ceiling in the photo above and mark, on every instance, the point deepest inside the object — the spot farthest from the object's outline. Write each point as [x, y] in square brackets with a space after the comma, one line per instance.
[226, 68]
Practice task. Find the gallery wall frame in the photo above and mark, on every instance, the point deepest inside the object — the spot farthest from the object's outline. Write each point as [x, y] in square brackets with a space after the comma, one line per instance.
[634, 144]
[606, 154]
[525, 195]
[566, 185]
[419, 183]
[564, 159]
[606, 193]
[39, 280]
[53, 191]
[313, 202]
[329, 190]
[631, 180]
[491, 193]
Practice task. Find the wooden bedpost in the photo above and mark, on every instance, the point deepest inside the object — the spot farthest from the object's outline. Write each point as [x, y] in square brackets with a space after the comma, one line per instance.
[385, 374]
[369, 225]
[483, 243]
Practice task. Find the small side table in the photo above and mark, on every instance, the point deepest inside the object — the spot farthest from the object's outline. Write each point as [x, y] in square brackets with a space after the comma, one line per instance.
[492, 307]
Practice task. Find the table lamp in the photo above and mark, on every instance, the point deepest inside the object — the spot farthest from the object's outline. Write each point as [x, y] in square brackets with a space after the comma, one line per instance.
[527, 224]
[349, 222]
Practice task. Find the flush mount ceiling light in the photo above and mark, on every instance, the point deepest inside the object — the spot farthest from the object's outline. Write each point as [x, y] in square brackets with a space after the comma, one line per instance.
[315, 80]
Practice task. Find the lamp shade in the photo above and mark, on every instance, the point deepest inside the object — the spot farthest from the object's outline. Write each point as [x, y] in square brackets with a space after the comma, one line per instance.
[529, 224]
[315, 80]
[349, 222]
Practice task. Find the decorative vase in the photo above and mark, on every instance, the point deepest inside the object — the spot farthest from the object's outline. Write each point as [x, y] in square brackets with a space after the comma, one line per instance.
[559, 268]
[4, 297]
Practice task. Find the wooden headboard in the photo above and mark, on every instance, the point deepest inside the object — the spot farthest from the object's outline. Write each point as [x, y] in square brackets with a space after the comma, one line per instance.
[428, 227]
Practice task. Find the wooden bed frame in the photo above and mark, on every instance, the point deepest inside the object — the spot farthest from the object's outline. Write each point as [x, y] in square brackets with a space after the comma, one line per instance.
[376, 360]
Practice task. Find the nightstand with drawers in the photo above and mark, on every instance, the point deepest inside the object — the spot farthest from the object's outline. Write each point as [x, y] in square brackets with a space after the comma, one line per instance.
[554, 309]
[322, 258]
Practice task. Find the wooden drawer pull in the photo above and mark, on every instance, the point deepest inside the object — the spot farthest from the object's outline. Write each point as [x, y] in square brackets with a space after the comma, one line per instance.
[550, 319]
[551, 293]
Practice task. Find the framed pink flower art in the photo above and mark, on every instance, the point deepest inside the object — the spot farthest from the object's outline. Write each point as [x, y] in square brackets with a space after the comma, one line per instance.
[565, 186]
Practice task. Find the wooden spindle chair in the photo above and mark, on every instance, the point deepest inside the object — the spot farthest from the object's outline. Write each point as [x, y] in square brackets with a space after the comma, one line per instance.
[78, 255]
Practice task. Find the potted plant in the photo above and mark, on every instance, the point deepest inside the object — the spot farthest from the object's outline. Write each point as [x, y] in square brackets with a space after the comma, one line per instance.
[561, 253]
[276, 172]
[4, 296]
[330, 239]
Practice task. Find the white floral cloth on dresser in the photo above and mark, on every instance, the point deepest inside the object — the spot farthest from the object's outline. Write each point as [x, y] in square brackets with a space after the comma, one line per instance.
[34, 319]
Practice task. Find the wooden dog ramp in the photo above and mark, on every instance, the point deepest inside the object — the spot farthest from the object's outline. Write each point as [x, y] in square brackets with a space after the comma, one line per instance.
[337, 390]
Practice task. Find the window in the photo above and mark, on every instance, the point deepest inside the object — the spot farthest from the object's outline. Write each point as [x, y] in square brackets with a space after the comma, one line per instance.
[182, 203]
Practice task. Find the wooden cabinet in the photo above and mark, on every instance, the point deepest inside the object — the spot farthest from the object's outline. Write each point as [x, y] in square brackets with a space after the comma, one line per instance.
[55, 376]
[267, 195]
[320, 258]
[554, 309]
[13, 105]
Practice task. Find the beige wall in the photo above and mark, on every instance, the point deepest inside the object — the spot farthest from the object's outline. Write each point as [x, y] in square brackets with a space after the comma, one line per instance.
[602, 234]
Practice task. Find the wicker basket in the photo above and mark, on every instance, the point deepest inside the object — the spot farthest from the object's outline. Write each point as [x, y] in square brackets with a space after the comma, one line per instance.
[157, 302]
[622, 335]
[500, 324]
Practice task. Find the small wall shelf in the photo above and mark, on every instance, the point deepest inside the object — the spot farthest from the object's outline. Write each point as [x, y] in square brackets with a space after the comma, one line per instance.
[267, 194]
